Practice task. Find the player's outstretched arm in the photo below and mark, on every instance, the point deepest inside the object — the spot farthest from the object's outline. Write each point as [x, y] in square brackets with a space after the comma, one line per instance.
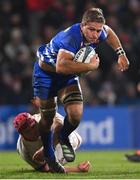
[82, 167]
[39, 158]
[115, 43]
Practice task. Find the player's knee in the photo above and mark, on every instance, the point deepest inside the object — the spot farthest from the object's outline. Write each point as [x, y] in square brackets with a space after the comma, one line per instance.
[74, 117]
[74, 112]
[47, 115]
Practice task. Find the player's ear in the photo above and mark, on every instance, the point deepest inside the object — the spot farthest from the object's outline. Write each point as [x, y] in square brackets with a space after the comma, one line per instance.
[82, 24]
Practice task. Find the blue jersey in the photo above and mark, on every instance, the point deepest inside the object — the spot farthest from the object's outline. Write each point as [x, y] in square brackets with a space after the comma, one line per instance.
[71, 39]
[46, 84]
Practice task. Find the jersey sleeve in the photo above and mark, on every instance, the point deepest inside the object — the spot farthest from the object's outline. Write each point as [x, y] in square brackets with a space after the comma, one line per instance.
[70, 43]
[104, 33]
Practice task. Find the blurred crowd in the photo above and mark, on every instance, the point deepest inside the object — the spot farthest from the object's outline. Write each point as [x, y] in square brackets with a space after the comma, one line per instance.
[25, 24]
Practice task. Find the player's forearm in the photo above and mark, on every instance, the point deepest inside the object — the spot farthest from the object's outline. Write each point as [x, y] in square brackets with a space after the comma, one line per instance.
[71, 67]
[82, 167]
[72, 169]
[113, 39]
[114, 42]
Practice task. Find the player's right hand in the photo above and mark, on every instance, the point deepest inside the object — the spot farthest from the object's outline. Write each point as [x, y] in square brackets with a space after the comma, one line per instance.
[123, 63]
[84, 166]
[94, 62]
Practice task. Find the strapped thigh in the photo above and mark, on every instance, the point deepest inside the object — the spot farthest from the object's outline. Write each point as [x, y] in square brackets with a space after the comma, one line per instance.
[47, 110]
[71, 94]
[72, 97]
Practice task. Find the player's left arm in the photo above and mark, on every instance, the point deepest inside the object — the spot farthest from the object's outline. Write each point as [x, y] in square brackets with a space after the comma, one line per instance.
[114, 42]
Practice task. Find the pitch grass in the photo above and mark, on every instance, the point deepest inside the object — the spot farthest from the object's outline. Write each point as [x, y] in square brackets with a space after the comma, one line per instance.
[105, 165]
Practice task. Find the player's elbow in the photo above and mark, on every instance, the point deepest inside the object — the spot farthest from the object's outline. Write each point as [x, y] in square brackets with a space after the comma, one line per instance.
[60, 69]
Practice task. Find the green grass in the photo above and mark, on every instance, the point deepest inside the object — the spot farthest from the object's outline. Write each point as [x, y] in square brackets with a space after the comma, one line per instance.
[105, 165]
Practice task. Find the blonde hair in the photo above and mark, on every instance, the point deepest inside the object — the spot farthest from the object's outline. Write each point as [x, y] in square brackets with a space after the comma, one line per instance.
[93, 15]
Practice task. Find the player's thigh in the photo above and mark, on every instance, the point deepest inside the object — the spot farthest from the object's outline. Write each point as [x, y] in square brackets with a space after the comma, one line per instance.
[46, 103]
[44, 97]
[71, 94]
[72, 99]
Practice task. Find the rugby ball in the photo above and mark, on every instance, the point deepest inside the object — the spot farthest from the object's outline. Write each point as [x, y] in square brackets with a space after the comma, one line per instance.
[84, 54]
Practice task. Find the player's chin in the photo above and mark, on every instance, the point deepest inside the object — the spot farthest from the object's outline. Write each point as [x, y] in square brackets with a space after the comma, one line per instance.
[93, 41]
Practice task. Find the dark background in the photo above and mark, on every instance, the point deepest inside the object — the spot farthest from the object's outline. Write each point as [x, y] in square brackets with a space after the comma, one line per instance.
[25, 24]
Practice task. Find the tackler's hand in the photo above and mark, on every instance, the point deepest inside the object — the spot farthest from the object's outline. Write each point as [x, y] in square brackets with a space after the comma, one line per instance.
[84, 166]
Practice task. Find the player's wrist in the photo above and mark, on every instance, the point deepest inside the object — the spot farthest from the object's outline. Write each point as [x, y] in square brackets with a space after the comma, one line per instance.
[120, 51]
[93, 67]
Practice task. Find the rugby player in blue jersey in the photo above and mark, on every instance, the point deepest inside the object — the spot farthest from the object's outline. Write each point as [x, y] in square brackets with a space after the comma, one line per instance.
[55, 76]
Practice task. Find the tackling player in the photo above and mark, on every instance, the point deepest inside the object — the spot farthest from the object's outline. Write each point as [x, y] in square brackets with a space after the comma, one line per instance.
[133, 157]
[55, 75]
[29, 143]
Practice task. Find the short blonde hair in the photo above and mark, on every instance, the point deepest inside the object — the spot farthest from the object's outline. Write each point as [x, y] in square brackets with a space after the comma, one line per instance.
[93, 15]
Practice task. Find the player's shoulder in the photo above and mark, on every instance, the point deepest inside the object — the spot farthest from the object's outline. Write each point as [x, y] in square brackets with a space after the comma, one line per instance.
[69, 39]
[72, 31]
[104, 33]
[106, 28]
[74, 28]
